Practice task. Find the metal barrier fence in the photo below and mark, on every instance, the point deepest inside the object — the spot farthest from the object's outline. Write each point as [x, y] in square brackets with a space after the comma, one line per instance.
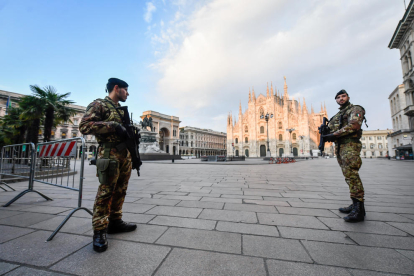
[16, 163]
[55, 164]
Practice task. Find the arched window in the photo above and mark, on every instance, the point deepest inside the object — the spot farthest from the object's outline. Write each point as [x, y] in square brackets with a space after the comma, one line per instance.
[246, 140]
[237, 140]
[262, 129]
[280, 125]
[392, 108]
[280, 137]
[191, 143]
[246, 129]
[364, 146]
[362, 138]
[294, 136]
[380, 146]
[410, 61]
[371, 146]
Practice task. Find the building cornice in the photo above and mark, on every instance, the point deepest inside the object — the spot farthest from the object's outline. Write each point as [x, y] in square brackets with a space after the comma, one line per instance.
[402, 27]
[395, 91]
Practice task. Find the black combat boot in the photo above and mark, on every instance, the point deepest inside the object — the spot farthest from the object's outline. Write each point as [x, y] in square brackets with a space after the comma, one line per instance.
[358, 212]
[347, 210]
[100, 243]
[120, 226]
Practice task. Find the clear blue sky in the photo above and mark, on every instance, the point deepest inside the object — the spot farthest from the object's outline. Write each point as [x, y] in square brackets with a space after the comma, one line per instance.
[76, 46]
[198, 59]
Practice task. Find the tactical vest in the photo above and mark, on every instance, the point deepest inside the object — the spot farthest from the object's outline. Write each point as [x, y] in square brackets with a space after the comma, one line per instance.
[111, 116]
[341, 119]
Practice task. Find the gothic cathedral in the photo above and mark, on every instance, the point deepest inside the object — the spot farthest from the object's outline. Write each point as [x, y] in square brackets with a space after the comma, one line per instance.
[274, 125]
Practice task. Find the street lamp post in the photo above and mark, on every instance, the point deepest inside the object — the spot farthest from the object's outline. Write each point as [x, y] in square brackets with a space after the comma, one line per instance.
[290, 134]
[267, 129]
[301, 138]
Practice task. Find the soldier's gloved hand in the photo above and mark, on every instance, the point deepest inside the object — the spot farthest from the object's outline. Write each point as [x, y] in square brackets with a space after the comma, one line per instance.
[329, 137]
[121, 131]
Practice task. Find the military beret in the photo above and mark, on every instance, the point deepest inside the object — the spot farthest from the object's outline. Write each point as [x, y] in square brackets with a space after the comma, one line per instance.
[341, 92]
[114, 81]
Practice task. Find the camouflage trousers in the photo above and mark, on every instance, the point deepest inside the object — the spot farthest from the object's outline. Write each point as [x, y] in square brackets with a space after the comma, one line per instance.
[350, 161]
[110, 197]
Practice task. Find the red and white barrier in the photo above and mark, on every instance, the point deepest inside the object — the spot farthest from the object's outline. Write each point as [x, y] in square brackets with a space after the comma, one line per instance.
[58, 149]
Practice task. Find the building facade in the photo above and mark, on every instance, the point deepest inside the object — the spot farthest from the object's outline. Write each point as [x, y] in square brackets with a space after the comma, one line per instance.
[374, 143]
[69, 129]
[197, 141]
[401, 137]
[289, 130]
[403, 40]
[168, 128]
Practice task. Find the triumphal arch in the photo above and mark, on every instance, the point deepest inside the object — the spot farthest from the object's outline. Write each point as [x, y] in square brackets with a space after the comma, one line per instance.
[167, 128]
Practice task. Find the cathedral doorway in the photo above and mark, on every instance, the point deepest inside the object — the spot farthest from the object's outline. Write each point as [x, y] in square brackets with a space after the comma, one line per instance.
[295, 151]
[246, 152]
[237, 152]
[280, 152]
[262, 151]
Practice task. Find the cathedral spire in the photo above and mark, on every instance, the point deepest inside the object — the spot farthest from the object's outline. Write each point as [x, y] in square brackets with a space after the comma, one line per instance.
[312, 111]
[250, 96]
[267, 91]
[321, 108]
[253, 95]
[240, 109]
[271, 88]
[305, 108]
[285, 87]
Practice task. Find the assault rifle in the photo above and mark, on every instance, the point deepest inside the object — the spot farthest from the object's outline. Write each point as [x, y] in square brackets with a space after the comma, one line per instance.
[132, 141]
[323, 130]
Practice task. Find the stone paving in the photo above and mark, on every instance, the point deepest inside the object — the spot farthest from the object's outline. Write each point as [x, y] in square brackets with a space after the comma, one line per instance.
[222, 219]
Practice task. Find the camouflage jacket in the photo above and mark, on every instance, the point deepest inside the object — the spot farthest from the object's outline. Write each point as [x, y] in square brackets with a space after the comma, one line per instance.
[350, 127]
[101, 119]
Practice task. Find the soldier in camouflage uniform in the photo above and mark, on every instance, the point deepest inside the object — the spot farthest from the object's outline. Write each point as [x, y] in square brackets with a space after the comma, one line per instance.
[103, 120]
[346, 132]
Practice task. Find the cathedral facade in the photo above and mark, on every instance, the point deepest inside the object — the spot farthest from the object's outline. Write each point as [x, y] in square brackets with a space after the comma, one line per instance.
[290, 130]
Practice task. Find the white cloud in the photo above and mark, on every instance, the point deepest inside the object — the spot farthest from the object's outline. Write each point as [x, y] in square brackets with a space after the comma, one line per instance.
[148, 13]
[226, 46]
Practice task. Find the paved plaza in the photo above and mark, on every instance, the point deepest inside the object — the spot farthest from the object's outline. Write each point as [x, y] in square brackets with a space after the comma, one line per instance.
[222, 219]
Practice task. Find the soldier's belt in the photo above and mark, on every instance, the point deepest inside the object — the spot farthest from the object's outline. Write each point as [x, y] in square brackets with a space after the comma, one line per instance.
[348, 140]
[110, 145]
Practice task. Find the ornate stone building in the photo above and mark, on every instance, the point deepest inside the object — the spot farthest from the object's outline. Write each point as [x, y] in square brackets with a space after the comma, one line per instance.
[247, 134]
[168, 128]
[403, 40]
[197, 141]
[400, 140]
[374, 143]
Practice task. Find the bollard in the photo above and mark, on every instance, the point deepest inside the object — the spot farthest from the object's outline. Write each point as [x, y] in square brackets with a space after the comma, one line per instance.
[173, 160]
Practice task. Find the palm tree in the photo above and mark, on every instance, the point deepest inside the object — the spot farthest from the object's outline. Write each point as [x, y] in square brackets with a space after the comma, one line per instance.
[13, 129]
[32, 112]
[55, 107]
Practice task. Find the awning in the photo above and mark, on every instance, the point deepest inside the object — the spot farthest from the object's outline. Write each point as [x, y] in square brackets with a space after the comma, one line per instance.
[405, 147]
